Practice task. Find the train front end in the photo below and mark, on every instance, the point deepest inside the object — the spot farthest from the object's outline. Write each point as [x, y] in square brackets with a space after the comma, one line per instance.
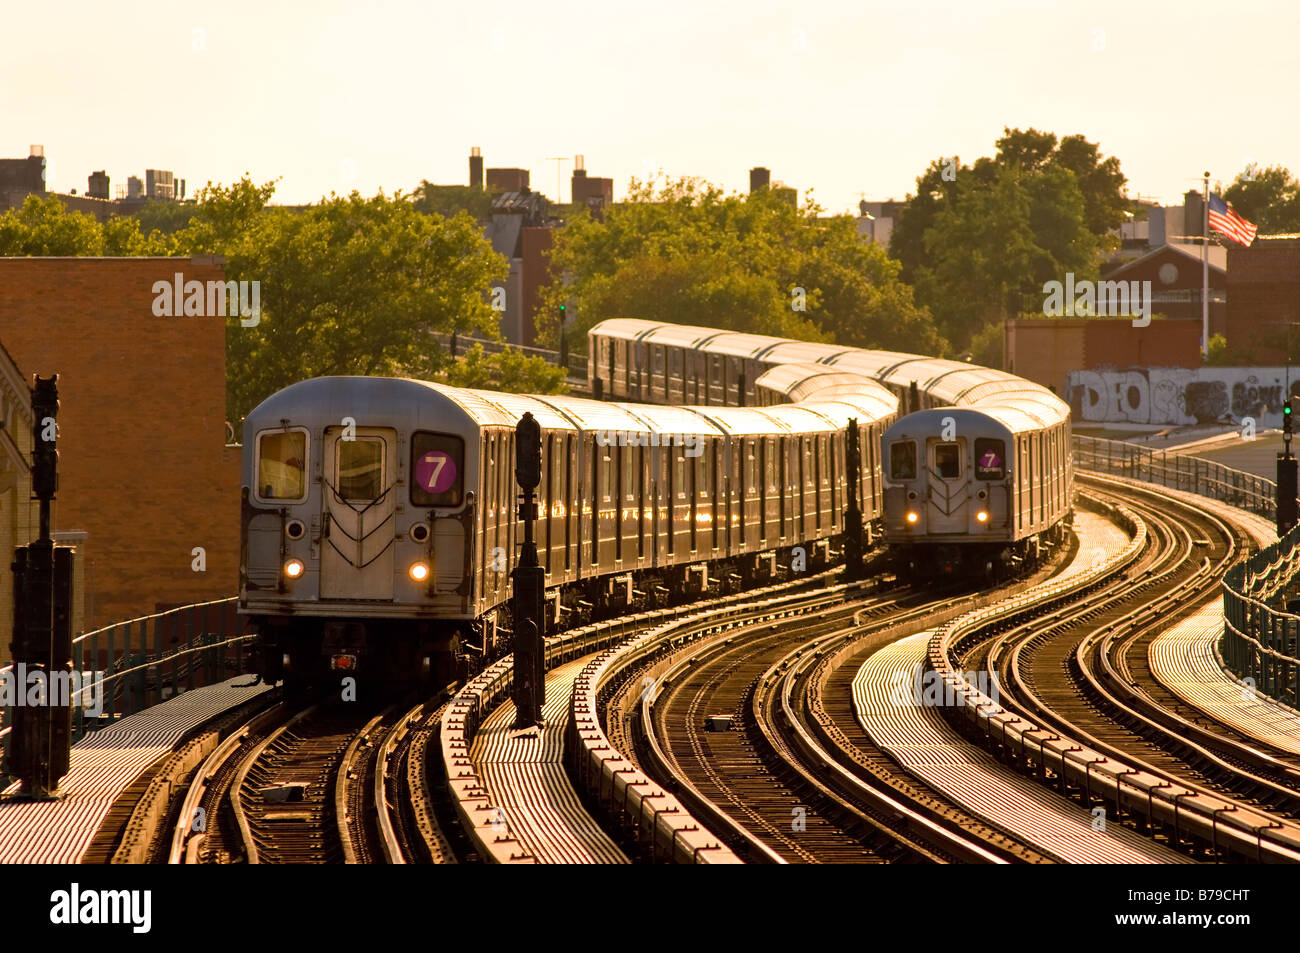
[947, 493]
[357, 529]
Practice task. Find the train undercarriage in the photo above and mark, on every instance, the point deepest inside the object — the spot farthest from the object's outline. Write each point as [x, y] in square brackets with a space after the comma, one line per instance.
[929, 562]
[427, 654]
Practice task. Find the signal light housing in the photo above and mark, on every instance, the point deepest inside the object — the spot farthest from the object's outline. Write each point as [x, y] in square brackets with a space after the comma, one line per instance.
[293, 568]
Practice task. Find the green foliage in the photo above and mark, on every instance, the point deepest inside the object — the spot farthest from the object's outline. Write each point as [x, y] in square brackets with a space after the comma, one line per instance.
[986, 345]
[44, 226]
[166, 217]
[688, 254]
[1270, 198]
[451, 200]
[349, 286]
[979, 244]
[508, 370]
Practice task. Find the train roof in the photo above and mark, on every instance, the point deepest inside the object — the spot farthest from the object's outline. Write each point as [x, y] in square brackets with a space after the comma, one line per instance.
[667, 419]
[1012, 418]
[369, 400]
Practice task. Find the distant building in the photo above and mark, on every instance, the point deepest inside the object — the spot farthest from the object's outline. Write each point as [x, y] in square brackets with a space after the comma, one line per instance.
[759, 178]
[98, 185]
[159, 184]
[876, 220]
[1174, 270]
[134, 187]
[1263, 291]
[596, 194]
[516, 218]
[20, 178]
[507, 180]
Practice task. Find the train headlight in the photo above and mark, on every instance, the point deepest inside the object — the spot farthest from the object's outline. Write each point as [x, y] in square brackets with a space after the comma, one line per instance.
[912, 517]
[418, 571]
[293, 568]
[982, 516]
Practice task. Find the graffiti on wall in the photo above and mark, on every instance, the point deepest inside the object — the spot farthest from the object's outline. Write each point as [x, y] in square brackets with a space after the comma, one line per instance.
[1174, 395]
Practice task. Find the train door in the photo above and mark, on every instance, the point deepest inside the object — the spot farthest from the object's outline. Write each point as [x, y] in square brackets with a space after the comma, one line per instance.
[948, 484]
[360, 475]
[749, 519]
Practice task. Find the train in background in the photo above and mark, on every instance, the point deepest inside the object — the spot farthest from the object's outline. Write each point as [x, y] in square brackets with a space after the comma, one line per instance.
[978, 475]
[379, 515]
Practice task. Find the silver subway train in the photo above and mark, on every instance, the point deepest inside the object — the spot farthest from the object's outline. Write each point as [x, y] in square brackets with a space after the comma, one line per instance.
[379, 515]
[979, 474]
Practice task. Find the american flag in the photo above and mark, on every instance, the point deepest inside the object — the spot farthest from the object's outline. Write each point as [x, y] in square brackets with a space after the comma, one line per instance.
[1223, 218]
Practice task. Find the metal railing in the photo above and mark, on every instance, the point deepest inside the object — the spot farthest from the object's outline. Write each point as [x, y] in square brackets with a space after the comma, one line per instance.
[577, 366]
[128, 666]
[1178, 471]
[1260, 638]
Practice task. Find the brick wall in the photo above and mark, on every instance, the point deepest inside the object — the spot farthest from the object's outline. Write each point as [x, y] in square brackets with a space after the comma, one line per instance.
[143, 467]
[1047, 350]
[1263, 297]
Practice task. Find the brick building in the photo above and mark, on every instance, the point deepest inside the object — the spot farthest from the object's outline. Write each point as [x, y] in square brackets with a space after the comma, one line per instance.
[144, 469]
[1046, 350]
[1175, 272]
[1264, 299]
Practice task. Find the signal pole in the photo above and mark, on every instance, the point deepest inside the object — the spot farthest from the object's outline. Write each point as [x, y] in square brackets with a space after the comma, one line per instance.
[1287, 505]
[40, 748]
[853, 542]
[564, 339]
[529, 582]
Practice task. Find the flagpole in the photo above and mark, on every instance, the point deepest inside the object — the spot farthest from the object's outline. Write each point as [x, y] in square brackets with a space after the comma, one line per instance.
[1205, 272]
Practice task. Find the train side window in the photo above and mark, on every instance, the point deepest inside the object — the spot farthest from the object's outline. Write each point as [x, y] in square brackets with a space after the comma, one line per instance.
[947, 460]
[282, 465]
[990, 459]
[902, 460]
[437, 469]
[606, 477]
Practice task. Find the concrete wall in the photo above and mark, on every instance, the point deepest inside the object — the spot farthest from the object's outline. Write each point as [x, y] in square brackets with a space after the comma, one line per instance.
[1170, 396]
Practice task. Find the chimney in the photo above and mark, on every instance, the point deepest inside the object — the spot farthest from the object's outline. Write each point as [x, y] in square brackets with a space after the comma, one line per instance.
[476, 168]
[1193, 213]
[759, 178]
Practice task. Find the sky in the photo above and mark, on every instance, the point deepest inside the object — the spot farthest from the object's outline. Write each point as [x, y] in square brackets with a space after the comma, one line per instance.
[847, 98]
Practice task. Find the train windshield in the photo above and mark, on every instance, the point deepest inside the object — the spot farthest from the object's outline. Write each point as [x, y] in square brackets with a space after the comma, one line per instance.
[990, 459]
[437, 469]
[360, 468]
[281, 465]
[947, 460]
[902, 460]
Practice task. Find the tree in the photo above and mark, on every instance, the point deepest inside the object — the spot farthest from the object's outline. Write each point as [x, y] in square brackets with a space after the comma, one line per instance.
[508, 370]
[450, 200]
[978, 242]
[1269, 198]
[166, 217]
[348, 286]
[42, 225]
[687, 253]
